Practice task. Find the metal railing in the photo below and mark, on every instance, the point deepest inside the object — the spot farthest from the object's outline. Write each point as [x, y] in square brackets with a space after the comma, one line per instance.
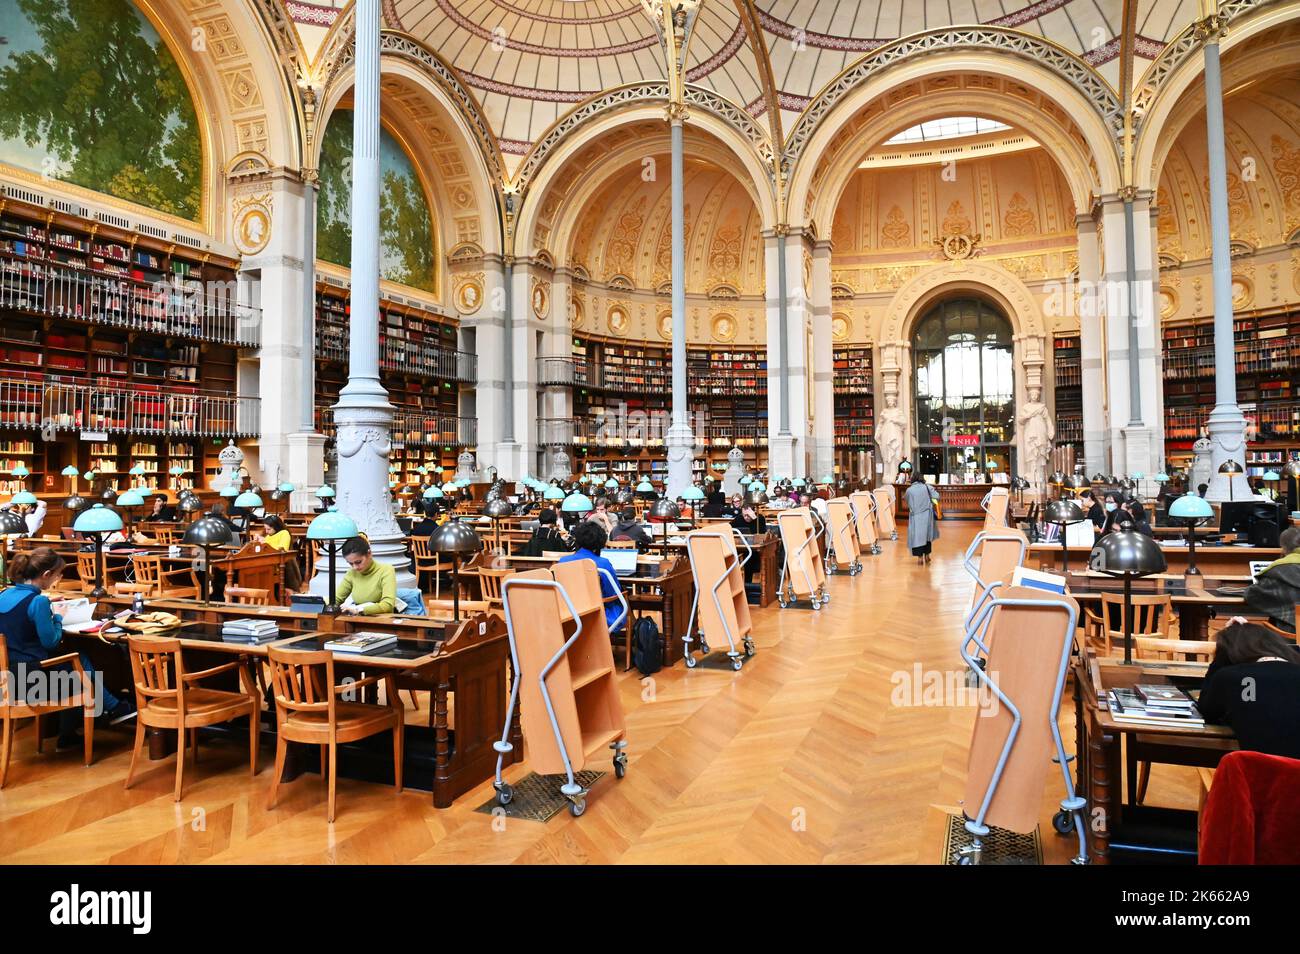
[414, 429]
[637, 379]
[399, 354]
[181, 308]
[59, 404]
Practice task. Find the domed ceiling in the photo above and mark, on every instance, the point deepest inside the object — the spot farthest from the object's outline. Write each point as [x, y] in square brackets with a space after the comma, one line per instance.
[531, 61]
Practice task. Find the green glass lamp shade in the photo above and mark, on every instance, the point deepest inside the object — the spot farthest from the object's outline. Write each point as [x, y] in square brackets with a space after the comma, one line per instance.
[325, 492]
[1137, 476]
[207, 532]
[455, 537]
[577, 503]
[137, 470]
[24, 498]
[285, 487]
[450, 487]
[1161, 478]
[1127, 552]
[692, 493]
[553, 492]
[828, 479]
[11, 523]
[1272, 475]
[1191, 507]
[89, 475]
[798, 482]
[433, 493]
[249, 500]
[20, 471]
[98, 519]
[331, 525]
[664, 510]
[496, 509]
[176, 470]
[463, 482]
[1230, 467]
[130, 498]
[230, 490]
[69, 471]
[645, 487]
[1064, 512]
[611, 484]
[745, 480]
[905, 465]
[757, 487]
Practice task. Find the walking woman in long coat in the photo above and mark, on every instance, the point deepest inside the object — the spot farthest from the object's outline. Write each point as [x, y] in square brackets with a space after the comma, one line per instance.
[922, 522]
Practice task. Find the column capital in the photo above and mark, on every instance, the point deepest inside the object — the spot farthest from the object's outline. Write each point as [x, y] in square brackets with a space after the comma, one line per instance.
[676, 113]
[1210, 29]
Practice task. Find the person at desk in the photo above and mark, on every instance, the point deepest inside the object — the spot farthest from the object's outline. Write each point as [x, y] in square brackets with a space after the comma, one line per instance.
[428, 520]
[1095, 511]
[33, 632]
[1276, 589]
[277, 537]
[601, 515]
[1253, 685]
[547, 538]
[1128, 512]
[716, 505]
[369, 588]
[748, 520]
[782, 500]
[218, 512]
[590, 539]
[629, 528]
[161, 510]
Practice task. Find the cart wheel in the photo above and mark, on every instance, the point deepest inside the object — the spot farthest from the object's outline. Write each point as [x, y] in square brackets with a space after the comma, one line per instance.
[782, 603]
[505, 794]
[749, 647]
[816, 605]
[965, 860]
[620, 765]
[704, 648]
[1063, 822]
[690, 661]
[577, 807]
[737, 662]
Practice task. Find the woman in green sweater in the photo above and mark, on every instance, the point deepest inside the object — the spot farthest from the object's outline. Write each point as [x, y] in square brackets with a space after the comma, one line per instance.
[371, 584]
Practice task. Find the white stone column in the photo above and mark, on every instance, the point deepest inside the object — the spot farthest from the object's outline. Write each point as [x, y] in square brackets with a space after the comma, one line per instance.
[679, 441]
[557, 353]
[363, 415]
[1089, 308]
[822, 363]
[1227, 425]
[788, 322]
[488, 327]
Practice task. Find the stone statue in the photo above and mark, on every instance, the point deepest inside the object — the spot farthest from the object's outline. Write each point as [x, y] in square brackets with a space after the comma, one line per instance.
[465, 466]
[735, 470]
[1202, 468]
[231, 458]
[561, 469]
[1035, 433]
[891, 433]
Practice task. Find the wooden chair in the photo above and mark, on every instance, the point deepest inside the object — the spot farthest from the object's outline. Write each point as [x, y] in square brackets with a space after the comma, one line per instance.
[308, 710]
[166, 698]
[130, 589]
[86, 571]
[1152, 616]
[489, 581]
[426, 561]
[248, 596]
[149, 571]
[1175, 650]
[166, 535]
[13, 709]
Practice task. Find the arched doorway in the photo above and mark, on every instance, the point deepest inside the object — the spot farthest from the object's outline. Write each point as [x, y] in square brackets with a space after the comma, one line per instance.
[963, 389]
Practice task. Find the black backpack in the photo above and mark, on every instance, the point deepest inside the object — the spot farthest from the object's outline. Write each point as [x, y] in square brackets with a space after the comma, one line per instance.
[647, 650]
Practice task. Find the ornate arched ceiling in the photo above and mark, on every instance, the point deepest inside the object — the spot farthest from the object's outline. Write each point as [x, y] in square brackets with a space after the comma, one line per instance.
[624, 231]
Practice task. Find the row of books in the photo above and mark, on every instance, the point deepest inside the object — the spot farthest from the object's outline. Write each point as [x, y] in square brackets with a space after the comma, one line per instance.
[1155, 705]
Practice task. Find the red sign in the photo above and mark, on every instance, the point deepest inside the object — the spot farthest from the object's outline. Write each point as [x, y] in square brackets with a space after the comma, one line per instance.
[964, 440]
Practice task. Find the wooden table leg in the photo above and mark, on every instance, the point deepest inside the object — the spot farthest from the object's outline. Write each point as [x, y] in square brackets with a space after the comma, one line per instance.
[1103, 788]
[441, 744]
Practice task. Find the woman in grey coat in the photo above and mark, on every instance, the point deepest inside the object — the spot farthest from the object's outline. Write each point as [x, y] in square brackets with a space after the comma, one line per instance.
[922, 522]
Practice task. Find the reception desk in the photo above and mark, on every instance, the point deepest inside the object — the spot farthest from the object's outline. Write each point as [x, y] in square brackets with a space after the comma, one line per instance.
[960, 501]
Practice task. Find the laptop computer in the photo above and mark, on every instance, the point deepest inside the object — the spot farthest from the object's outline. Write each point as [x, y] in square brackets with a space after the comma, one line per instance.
[623, 560]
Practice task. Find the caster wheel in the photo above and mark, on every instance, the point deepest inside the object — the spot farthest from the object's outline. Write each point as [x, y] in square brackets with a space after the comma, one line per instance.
[577, 808]
[816, 605]
[691, 662]
[749, 647]
[737, 663]
[704, 648]
[620, 767]
[1063, 822]
[965, 860]
[783, 604]
[505, 794]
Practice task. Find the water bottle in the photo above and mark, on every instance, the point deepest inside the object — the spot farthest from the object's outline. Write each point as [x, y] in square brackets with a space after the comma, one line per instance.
[137, 604]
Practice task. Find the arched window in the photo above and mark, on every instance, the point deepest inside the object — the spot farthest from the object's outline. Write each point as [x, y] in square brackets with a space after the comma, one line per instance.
[407, 250]
[964, 389]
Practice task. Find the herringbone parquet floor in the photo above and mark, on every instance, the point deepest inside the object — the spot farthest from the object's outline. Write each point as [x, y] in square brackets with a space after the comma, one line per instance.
[801, 758]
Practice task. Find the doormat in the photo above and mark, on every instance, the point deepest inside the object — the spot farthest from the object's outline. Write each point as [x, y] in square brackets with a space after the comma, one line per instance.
[1001, 847]
[537, 797]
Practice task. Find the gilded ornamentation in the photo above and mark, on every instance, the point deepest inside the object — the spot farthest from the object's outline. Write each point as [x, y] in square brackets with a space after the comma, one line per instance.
[841, 326]
[724, 255]
[617, 319]
[895, 233]
[1243, 291]
[724, 328]
[1019, 219]
[956, 222]
[252, 222]
[1286, 165]
[664, 325]
[1168, 301]
[577, 310]
[468, 292]
[541, 298]
[627, 231]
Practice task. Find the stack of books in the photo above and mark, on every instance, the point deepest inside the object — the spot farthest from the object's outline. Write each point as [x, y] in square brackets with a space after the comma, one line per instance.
[361, 643]
[1154, 705]
[251, 631]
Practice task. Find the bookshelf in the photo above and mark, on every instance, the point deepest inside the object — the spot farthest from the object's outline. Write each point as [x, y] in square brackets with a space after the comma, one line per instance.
[420, 367]
[1267, 355]
[113, 337]
[1067, 373]
[854, 398]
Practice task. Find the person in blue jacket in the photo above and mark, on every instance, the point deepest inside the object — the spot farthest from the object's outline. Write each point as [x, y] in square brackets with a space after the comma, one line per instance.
[34, 632]
[589, 538]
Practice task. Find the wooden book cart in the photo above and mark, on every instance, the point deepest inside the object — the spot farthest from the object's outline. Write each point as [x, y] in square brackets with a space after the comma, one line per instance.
[719, 607]
[996, 503]
[843, 534]
[990, 560]
[885, 511]
[564, 682]
[864, 516]
[1027, 635]
[803, 575]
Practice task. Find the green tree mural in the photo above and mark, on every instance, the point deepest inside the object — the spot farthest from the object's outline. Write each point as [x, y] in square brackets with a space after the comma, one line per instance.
[91, 85]
[405, 223]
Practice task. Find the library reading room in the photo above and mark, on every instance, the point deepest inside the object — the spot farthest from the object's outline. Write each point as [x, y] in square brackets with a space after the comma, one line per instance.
[649, 432]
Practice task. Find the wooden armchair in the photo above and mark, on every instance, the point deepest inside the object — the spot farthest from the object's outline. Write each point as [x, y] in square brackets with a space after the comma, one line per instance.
[308, 710]
[86, 572]
[12, 708]
[426, 561]
[166, 698]
[149, 571]
[489, 581]
[248, 596]
[1152, 616]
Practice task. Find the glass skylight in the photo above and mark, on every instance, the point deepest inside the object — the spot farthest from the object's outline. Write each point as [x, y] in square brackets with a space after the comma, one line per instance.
[950, 127]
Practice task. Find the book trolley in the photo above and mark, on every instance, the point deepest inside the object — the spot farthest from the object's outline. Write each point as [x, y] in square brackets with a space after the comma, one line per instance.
[885, 511]
[995, 505]
[720, 605]
[843, 536]
[803, 575]
[864, 518]
[1000, 551]
[1027, 635]
[564, 678]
